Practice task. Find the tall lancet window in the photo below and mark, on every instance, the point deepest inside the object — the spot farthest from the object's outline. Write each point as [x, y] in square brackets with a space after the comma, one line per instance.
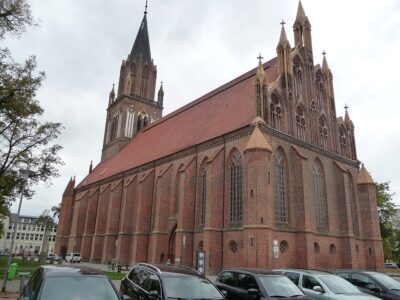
[145, 121]
[313, 122]
[320, 91]
[276, 112]
[139, 122]
[236, 194]
[300, 123]
[144, 83]
[116, 126]
[323, 132]
[343, 140]
[297, 72]
[280, 186]
[319, 195]
[203, 186]
[130, 120]
[133, 80]
[128, 84]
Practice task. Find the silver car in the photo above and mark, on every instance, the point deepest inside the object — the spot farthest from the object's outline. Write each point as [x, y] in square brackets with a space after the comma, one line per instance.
[324, 286]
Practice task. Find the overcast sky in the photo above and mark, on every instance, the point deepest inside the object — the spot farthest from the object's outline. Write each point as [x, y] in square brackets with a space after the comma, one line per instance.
[198, 46]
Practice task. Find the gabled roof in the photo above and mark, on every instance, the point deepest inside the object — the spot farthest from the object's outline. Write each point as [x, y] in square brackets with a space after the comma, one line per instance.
[227, 108]
[141, 47]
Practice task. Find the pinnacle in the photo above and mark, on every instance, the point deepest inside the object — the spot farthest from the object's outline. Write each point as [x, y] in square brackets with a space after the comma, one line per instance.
[301, 15]
[260, 70]
[325, 67]
[283, 40]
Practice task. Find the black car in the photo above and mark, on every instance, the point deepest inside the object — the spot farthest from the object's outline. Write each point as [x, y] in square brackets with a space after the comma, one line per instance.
[250, 284]
[66, 283]
[374, 283]
[146, 281]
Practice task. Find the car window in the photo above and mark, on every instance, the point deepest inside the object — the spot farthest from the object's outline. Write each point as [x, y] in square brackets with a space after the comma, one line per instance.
[279, 286]
[344, 275]
[246, 281]
[228, 278]
[309, 282]
[190, 287]
[152, 283]
[34, 285]
[138, 276]
[294, 277]
[362, 281]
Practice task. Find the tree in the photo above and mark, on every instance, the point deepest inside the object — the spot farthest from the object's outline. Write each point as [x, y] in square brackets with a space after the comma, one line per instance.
[26, 142]
[56, 210]
[386, 210]
[47, 221]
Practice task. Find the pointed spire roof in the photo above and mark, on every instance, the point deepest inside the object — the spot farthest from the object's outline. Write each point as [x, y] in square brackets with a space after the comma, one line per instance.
[325, 67]
[161, 90]
[141, 47]
[363, 176]
[347, 120]
[283, 40]
[260, 74]
[301, 15]
[257, 139]
[91, 166]
[69, 189]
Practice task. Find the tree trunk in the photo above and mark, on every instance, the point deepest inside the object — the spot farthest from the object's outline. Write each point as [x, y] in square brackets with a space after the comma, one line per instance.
[45, 246]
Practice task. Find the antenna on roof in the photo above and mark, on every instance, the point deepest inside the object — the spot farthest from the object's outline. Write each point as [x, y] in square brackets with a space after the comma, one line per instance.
[145, 8]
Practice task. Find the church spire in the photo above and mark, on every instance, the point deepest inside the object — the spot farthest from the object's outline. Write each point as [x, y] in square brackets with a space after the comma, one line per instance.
[302, 29]
[301, 15]
[283, 40]
[283, 52]
[141, 47]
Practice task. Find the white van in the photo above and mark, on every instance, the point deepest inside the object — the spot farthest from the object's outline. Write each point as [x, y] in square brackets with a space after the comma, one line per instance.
[73, 257]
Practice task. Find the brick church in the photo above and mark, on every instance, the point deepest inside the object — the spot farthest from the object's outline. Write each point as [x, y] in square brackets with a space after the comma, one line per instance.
[262, 159]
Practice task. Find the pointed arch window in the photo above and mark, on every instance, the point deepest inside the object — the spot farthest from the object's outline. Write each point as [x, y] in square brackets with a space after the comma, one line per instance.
[236, 194]
[313, 121]
[320, 91]
[297, 71]
[130, 120]
[319, 194]
[343, 140]
[145, 121]
[300, 123]
[323, 132]
[276, 112]
[203, 185]
[116, 126]
[133, 80]
[280, 186]
[139, 122]
[144, 83]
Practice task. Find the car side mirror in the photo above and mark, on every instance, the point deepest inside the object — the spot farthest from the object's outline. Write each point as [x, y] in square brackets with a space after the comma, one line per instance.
[225, 293]
[125, 297]
[317, 288]
[376, 290]
[154, 295]
[253, 292]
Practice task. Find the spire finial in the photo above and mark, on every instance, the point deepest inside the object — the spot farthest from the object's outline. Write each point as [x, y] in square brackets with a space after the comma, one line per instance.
[323, 53]
[145, 8]
[346, 107]
[259, 59]
[283, 23]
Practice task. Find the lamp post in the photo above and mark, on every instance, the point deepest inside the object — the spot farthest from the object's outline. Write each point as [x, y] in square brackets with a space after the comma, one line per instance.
[25, 174]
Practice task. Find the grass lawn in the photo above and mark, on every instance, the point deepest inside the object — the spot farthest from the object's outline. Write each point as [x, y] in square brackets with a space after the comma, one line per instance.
[115, 275]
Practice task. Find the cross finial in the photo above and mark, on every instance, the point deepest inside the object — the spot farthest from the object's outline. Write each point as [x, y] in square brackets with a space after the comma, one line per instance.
[113, 85]
[282, 23]
[162, 82]
[145, 8]
[323, 53]
[346, 107]
[259, 58]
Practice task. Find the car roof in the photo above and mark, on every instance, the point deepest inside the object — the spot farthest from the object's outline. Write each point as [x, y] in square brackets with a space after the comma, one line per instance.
[354, 271]
[69, 271]
[253, 271]
[312, 272]
[170, 269]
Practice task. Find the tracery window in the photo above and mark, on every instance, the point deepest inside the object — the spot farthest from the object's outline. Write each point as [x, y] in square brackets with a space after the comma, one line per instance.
[297, 71]
[300, 123]
[236, 195]
[130, 120]
[323, 132]
[320, 91]
[145, 79]
[203, 193]
[276, 112]
[133, 80]
[343, 140]
[313, 121]
[280, 182]
[116, 126]
[320, 197]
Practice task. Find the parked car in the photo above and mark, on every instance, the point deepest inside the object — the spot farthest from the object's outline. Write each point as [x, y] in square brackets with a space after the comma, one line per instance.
[145, 281]
[391, 266]
[66, 283]
[324, 286]
[53, 257]
[373, 283]
[73, 257]
[251, 284]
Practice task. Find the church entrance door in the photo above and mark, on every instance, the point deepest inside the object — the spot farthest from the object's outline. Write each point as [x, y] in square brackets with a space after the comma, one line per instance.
[171, 245]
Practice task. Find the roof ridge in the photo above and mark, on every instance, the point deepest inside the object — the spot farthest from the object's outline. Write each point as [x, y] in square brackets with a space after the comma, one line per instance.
[209, 95]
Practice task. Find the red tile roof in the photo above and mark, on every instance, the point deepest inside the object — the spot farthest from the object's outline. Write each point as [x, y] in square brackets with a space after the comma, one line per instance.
[223, 110]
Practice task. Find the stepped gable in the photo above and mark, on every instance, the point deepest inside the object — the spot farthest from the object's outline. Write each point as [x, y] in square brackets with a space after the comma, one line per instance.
[223, 110]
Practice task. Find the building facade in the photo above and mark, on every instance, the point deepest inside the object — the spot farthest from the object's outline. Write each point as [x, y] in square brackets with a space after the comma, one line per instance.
[263, 159]
[29, 236]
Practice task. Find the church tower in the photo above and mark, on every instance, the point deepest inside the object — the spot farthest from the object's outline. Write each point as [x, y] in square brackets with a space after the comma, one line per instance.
[133, 106]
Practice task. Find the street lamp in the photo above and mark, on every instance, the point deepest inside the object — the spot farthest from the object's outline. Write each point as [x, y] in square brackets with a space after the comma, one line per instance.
[25, 175]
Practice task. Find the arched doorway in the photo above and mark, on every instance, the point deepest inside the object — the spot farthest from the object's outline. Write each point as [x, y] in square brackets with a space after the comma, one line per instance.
[171, 245]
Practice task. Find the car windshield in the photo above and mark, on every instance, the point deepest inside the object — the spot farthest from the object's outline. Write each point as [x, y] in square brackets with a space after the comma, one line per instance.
[279, 286]
[190, 287]
[386, 281]
[78, 288]
[338, 285]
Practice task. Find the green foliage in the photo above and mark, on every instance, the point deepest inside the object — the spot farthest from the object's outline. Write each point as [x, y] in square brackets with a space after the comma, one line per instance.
[46, 221]
[56, 210]
[387, 210]
[26, 142]
[115, 275]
